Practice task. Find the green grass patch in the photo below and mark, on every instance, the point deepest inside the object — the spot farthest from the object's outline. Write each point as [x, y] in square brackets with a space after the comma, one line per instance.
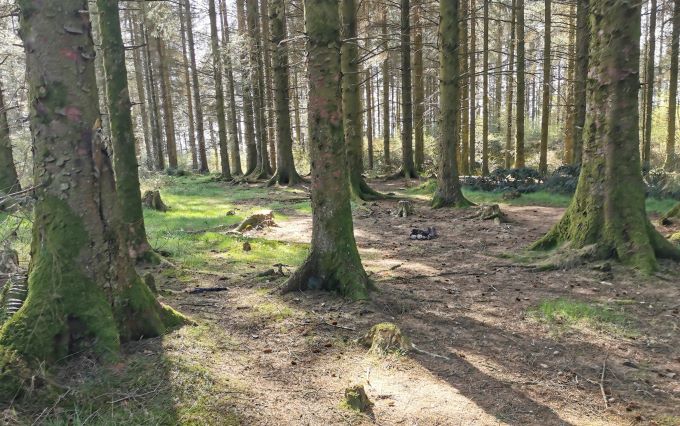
[561, 313]
[273, 310]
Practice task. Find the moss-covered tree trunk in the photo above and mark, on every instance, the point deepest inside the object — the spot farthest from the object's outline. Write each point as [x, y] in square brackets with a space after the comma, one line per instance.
[583, 34]
[285, 165]
[9, 181]
[333, 263]
[545, 113]
[369, 117]
[198, 105]
[485, 92]
[83, 291]
[521, 84]
[649, 89]
[351, 103]
[247, 90]
[386, 90]
[510, 87]
[671, 159]
[168, 106]
[263, 169]
[448, 193]
[122, 131]
[418, 87]
[608, 208]
[219, 92]
[234, 151]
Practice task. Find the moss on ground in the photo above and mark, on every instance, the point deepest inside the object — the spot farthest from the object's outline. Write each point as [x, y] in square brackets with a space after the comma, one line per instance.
[562, 313]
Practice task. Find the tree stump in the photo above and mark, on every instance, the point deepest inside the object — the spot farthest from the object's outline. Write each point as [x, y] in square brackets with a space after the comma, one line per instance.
[385, 338]
[257, 221]
[405, 209]
[152, 200]
[490, 212]
[356, 399]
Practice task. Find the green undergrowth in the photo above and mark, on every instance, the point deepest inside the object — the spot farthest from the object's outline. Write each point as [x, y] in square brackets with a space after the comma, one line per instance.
[156, 382]
[561, 313]
[538, 198]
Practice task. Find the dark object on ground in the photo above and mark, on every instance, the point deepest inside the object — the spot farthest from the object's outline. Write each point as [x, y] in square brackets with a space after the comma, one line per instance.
[199, 290]
[246, 246]
[418, 234]
[405, 209]
[257, 221]
[152, 200]
[356, 399]
[385, 338]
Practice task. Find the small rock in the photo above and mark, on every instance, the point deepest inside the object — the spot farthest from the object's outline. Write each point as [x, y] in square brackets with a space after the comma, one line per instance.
[246, 246]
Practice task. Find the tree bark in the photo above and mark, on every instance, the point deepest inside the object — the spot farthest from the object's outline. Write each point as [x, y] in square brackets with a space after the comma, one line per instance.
[333, 263]
[247, 89]
[464, 121]
[139, 83]
[509, 101]
[570, 122]
[386, 90]
[285, 165]
[234, 151]
[473, 88]
[670, 162]
[83, 291]
[485, 93]
[187, 87]
[649, 89]
[270, 117]
[498, 84]
[168, 108]
[580, 76]
[198, 106]
[369, 117]
[159, 158]
[448, 193]
[219, 92]
[545, 114]
[9, 180]
[608, 208]
[521, 84]
[122, 131]
[418, 87]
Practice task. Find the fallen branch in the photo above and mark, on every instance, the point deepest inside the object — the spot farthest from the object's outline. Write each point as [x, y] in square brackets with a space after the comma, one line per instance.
[604, 394]
[199, 290]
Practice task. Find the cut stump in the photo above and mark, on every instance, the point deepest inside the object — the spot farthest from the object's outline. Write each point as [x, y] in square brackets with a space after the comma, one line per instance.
[385, 338]
[356, 399]
[405, 209]
[490, 212]
[257, 221]
[152, 200]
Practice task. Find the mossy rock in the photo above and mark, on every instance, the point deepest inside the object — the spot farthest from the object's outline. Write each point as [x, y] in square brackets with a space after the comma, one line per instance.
[356, 399]
[386, 338]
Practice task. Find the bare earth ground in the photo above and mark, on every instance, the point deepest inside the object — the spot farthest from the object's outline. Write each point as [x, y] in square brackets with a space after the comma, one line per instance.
[458, 299]
[287, 359]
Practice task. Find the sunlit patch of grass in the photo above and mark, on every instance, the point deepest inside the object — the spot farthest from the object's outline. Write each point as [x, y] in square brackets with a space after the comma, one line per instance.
[560, 313]
[274, 311]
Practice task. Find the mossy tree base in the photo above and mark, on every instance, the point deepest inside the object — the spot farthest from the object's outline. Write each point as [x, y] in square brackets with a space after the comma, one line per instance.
[457, 200]
[404, 173]
[361, 190]
[356, 399]
[286, 178]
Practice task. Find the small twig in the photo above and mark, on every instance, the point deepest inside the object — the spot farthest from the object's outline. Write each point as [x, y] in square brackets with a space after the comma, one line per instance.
[415, 348]
[604, 394]
[199, 290]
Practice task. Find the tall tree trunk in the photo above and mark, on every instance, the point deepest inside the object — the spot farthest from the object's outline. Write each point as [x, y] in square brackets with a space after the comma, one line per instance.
[187, 88]
[580, 76]
[485, 93]
[473, 89]
[464, 120]
[168, 108]
[351, 103]
[333, 263]
[521, 84]
[219, 92]
[386, 90]
[252, 159]
[545, 113]
[9, 180]
[670, 162]
[418, 87]
[408, 168]
[296, 110]
[448, 193]
[159, 158]
[198, 106]
[509, 101]
[270, 118]
[607, 213]
[264, 169]
[83, 291]
[285, 165]
[139, 83]
[498, 83]
[649, 89]
[570, 122]
[125, 163]
[234, 151]
[369, 117]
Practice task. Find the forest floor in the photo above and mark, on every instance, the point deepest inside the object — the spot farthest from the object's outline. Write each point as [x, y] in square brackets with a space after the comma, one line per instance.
[501, 342]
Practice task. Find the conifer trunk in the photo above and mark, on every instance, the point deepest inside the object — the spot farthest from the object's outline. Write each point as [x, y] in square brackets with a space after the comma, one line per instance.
[369, 117]
[580, 76]
[234, 151]
[509, 102]
[448, 193]
[83, 291]
[649, 89]
[187, 88]
[9, 181]
[545, 114]
[386, 91]
[168, 108]
[671, 159]
[608, 208]
[247, 90]
[418, 88]
[569, 130]
[333, 263]
[139, 83]
[521, 84]
[485, 93]
[473, 89]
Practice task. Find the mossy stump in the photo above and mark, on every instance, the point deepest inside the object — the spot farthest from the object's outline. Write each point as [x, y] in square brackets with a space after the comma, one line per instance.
[257, 220]
[405, 209]
[356, 399]
[385, 338]
[152, 200]
[490, 212]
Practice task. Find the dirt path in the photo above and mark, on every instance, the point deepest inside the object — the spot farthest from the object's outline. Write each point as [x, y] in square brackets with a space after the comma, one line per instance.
[292, 357]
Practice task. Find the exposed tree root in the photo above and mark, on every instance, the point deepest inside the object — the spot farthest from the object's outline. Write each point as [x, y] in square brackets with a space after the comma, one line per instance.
[439, 200]
[402, 173]
[363, 191]
[286, 178]
[331, 272]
